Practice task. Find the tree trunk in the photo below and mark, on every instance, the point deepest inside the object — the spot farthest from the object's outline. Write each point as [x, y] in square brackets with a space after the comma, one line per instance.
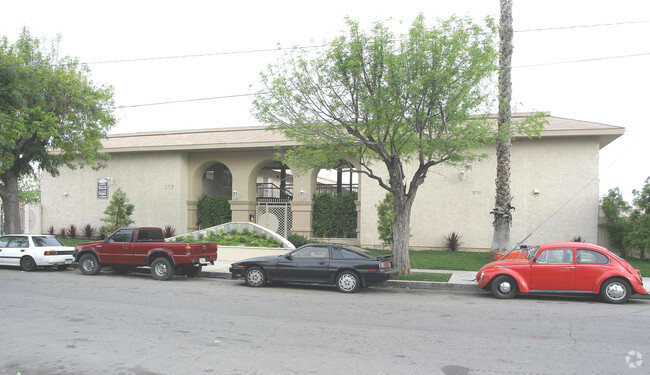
[503, 210]
[402, 234]
[10, 202]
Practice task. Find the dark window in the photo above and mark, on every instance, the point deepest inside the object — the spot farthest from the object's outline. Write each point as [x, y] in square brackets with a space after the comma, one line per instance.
[339, 253]
[18, 242]
[4, 241]
[123, 235]
[42, 241]
[312, 252]
[590, 257]
[150, 235]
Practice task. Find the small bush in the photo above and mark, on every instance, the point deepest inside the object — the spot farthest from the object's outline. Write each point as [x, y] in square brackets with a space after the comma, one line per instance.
[452, 241]
[50, 230]
[103, 232]
[577, 239]
[169, 231]
[72, 231]
[297, 240]
[88, 231]
[62, 233]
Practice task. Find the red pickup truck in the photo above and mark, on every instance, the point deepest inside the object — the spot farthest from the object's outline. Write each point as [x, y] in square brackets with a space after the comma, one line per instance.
[128, 248]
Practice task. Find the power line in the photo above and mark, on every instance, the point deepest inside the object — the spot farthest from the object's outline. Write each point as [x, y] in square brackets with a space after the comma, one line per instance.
[204, 55]
[582, 26]
[582, 60]
[182, 101]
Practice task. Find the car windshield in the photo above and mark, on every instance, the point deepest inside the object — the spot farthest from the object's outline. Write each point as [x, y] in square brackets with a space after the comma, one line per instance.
[43, 241]
[531, 253]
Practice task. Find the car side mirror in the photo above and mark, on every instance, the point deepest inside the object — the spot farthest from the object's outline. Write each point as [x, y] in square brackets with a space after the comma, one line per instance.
[106, 240]
[288, 257]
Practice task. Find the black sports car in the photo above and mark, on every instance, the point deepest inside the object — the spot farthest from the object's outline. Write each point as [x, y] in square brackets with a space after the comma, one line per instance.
[347, 267]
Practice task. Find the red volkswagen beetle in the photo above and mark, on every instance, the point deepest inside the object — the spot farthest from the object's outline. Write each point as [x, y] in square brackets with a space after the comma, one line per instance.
[563, 267]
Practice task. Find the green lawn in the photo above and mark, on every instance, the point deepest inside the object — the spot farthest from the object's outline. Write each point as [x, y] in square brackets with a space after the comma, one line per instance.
[643, 265]
[445, 260]
[74, 241]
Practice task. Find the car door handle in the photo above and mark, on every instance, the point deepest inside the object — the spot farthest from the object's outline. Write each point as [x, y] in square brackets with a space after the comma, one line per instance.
[22, 250]
[570, 267]
[124, 246]
[323, 262]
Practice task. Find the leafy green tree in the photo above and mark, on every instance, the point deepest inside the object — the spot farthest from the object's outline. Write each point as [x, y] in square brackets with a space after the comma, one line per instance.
[386, 219]
[387, 100]
[29, 188]
[118, 213]
[640, 219]
[46, 103]
[616, 210]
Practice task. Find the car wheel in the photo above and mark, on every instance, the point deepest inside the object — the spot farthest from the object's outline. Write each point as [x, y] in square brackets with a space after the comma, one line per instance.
[162, 269]
[27, 264]
[504, 287]
[615, 291]
[348, 282]
[255, 277]
[89, 265]
[193, 271]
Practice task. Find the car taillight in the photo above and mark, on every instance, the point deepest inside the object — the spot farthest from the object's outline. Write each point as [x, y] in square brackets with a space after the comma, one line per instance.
[50, 252]
[188, 250]
[384, 265]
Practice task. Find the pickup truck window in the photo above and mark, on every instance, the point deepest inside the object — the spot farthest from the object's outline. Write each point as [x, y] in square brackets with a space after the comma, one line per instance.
[123, 235]
[150, 235]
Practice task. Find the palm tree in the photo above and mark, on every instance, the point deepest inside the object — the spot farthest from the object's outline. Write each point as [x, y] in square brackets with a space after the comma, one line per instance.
[503, 209]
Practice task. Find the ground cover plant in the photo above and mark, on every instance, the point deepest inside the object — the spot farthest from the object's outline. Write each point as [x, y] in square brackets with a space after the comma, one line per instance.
[234, 238]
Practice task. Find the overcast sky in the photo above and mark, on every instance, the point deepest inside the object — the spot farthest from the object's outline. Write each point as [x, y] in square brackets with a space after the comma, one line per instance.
[610, 91]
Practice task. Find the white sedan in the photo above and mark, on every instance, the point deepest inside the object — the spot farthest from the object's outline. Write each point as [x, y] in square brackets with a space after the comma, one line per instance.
[34, 250]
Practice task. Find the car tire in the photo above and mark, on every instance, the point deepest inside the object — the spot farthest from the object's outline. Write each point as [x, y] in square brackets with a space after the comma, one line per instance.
[255, 277]
[504, 287]
[27, 264]
[162, 269]
[192, 270]
[89, 265]
[348, 282]
[615, 291]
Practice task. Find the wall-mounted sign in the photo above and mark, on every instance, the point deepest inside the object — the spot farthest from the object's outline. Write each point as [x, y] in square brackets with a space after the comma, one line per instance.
[102, 188]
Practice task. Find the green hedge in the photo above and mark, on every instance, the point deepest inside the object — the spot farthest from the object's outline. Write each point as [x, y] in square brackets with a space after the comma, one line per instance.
[213, 211]
[335, 216]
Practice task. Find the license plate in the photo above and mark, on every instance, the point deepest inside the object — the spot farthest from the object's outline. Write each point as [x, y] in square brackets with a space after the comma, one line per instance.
[68, 261]
[201, 260]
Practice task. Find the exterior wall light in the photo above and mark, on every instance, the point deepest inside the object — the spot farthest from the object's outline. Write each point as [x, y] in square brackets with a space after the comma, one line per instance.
[303, 194]
[235, 194]
[462, 175]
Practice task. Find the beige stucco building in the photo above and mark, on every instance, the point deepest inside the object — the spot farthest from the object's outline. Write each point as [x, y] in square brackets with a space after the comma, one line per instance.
[554, 184]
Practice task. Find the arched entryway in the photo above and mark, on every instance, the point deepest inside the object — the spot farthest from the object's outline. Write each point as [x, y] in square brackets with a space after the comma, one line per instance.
[217, 181]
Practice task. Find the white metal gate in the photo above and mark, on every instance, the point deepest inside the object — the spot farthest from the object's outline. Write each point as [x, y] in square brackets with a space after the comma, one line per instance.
[276, 217]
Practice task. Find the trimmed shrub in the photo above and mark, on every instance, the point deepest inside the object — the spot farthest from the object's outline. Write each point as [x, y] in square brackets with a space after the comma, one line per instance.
[213, 211]
[297, 240]
[335, 216]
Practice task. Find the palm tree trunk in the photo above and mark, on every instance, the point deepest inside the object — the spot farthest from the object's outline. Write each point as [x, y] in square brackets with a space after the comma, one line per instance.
[503, 209]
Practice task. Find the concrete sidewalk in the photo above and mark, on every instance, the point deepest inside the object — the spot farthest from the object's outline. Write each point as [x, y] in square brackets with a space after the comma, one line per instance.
[458, 279]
